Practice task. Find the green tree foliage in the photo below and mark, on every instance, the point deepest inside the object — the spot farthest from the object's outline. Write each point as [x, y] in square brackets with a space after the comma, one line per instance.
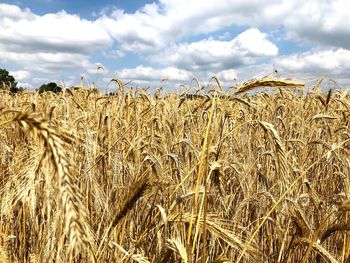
[52, 86]
[8, 82]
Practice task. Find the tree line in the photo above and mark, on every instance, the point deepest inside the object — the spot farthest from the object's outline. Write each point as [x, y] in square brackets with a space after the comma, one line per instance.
[8, 82]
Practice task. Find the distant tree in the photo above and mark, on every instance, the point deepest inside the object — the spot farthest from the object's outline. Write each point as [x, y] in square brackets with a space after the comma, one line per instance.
[8, 82]
[52, 86]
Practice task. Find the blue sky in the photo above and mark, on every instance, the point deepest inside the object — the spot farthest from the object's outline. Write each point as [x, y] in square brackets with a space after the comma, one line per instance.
[147, 41]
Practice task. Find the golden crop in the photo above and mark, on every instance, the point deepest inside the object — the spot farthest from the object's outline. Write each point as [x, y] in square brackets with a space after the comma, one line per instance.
[135, 177]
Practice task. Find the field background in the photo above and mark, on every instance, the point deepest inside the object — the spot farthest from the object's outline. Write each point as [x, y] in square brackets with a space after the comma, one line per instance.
[134, 177]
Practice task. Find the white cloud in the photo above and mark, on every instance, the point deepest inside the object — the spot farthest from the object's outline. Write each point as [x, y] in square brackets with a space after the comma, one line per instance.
[141, 31]
[227, 75]
[142, 73]
[60, 32]
[216, 55]
[163, 33]
[20, 74]
[51, 43]
[321, 61]
[13, 12]
[330, 63]
[25, 85]
[169, 78]
[322, 22]
[166, 22]
[255, 43]
[44, 62]
[156, 25]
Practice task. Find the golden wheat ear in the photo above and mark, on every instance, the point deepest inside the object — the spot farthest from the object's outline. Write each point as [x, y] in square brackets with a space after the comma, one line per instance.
[138, 188]
[268, 82]
[69, 196]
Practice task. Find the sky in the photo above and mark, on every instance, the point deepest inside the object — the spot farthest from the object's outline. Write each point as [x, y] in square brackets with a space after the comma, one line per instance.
[167, 43]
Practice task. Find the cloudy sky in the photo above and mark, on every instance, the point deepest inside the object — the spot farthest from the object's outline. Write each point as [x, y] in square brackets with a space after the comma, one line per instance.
[147, 41]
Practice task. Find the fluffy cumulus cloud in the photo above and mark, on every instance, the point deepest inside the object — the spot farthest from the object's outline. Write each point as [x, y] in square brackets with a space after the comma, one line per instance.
[334, 63]
[59, 32]
[160, 29]
[227, 75]
[152, 74]
[137, 32]
[13, 12]
[20, 74]
[50, 43]
[178, 39]
[45, 62]
[158, 24]
[146, 76]
[320, 22]
[168, 21]
[215, 55]
[171, 77]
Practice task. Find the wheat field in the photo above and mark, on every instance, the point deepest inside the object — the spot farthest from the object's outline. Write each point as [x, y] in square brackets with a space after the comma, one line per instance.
[204, 177]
